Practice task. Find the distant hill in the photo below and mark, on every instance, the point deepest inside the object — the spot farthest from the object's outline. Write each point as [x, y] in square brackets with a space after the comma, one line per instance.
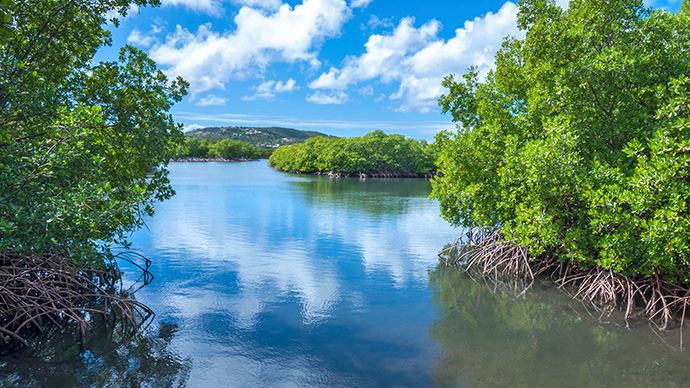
[261, 137]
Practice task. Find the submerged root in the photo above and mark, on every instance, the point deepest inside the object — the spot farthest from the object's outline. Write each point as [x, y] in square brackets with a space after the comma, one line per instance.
[486, 252]
[483, 250]
[39, 294]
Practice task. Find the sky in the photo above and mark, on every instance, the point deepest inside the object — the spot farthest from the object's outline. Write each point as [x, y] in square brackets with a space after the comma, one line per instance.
[342, 67]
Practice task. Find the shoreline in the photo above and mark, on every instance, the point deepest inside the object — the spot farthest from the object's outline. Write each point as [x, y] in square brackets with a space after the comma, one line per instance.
[361, 175]
[201, 160]
[485, 252]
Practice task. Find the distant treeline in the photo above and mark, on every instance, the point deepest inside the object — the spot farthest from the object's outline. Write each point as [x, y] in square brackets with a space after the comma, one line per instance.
[375, 154]
[226, 149]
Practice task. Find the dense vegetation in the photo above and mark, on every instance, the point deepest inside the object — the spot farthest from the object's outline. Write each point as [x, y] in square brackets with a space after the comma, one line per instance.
[78, 144]
[577, 146]
[226, 149]
[260, 137]
[375, 154]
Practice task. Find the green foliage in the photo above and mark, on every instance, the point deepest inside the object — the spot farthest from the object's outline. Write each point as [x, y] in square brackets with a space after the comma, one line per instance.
[576, 142]
[5, 19]
[265, 153]
[197, 148]
[233, 149]
[228, 149]
[374, 153]
[82, 145]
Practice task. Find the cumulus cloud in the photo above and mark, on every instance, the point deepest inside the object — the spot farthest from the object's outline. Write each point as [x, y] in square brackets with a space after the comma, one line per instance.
[416, 59]
[382, 58]
[267, 90]
[208, 59]
[332, 98]
[211, 99]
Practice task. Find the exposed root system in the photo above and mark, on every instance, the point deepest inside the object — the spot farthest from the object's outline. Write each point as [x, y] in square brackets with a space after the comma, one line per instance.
[485, 251]
[41, 294]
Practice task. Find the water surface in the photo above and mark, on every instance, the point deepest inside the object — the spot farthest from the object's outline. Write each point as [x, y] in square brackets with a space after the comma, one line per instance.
[268, 279]
[279, 279]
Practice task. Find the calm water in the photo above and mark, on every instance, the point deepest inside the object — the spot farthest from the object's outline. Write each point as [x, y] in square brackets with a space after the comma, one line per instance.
[266, 279]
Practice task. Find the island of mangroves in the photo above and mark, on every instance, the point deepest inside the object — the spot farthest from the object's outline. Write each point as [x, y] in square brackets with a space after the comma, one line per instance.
[375, 154]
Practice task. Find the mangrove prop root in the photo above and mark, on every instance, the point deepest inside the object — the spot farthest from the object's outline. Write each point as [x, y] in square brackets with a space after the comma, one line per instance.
[486, 252]
[41, 293]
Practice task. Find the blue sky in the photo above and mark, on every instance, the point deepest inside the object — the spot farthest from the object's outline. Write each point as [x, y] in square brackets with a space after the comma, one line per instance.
[343, 67]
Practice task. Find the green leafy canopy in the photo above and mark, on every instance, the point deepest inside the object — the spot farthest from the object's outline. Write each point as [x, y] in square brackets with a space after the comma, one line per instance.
[578, 143]
[374, 153]
[83, 145]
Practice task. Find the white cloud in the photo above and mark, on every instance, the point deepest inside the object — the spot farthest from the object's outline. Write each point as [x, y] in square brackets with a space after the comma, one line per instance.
[359, 3]
[374, 23]
[268, 89]
[382, 58]
[147, 39]
[288, 86]
[417, 60]
[139, 38]
[192, 127]
[211, 99]
[208, 59]
[333, 98]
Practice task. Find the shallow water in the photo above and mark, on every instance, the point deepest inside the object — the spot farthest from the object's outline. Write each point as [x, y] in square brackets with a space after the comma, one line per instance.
[295, 280]
[268, 279]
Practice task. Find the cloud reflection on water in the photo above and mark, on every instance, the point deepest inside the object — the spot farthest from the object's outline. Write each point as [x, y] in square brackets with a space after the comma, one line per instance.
[300, 256]
[280, 243]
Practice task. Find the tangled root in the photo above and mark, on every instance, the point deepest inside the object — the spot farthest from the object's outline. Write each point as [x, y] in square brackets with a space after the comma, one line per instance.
[485, 251]
[39, 294]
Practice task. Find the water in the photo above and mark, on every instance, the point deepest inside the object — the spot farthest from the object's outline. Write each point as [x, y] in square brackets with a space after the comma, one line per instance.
[489, 338]
[267, 279]
[277, 279]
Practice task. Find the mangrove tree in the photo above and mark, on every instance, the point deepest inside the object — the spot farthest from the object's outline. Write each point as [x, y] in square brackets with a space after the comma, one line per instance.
[83, 147]
[577, 147]
[375, 154]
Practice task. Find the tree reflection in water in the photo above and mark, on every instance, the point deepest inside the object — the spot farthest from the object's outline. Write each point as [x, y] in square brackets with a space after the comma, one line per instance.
[146, 361]
[374, 196]
[489, 338]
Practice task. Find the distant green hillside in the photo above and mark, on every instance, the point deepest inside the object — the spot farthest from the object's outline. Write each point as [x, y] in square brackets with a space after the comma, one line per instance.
[267, 137]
